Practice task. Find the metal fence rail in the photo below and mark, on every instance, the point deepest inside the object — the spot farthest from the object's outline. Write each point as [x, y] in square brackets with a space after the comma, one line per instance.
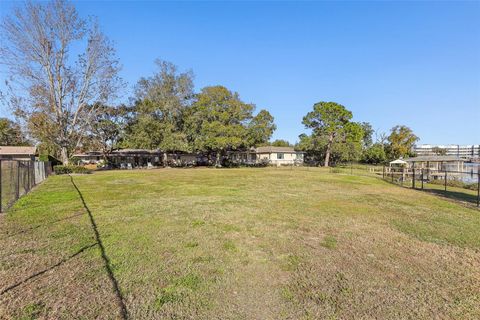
[18, 177]
[457, 185]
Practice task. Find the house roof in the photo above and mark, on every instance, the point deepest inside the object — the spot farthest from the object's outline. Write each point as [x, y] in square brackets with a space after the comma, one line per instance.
[135, 151]
[88, 154]
[435, 159]
[272, 149]
[17, 150]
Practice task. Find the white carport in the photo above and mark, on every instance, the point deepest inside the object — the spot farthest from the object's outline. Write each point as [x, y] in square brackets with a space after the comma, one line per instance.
[398, 162]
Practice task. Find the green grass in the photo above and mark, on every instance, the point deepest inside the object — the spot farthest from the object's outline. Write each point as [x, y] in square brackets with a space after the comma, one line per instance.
[262, 243]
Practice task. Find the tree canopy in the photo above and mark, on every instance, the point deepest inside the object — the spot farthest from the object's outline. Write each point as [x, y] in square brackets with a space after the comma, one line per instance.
[280, 143]
[11, 133]
[333, 133]
[107, 128]
[400, 142]
[48, 88]
[219, 121]
[159, 110]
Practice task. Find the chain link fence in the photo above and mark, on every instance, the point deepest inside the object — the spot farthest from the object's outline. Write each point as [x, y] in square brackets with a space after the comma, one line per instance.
[457, 185]
[18, 177]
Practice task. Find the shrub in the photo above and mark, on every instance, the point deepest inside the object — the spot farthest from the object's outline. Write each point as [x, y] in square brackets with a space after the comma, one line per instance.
[262, 163]
[61, 169]
[228, 163]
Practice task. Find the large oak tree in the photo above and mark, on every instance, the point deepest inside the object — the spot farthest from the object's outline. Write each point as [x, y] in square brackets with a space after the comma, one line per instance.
[158, 114]
[219, 121]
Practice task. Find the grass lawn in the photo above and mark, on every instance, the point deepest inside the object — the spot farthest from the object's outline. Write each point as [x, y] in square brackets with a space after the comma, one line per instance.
[237, 244]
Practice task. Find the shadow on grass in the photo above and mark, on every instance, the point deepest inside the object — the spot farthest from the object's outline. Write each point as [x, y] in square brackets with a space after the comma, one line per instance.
[106, 260]
[463, 197]
[42, 225]
[454, 195]
[33, 276]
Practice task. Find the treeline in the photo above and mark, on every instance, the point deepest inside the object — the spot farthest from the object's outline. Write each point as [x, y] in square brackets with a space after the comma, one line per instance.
[168, 115]
[65, 104]
[335, 138]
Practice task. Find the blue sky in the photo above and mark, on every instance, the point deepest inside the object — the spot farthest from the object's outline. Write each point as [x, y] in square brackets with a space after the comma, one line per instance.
[412, 63]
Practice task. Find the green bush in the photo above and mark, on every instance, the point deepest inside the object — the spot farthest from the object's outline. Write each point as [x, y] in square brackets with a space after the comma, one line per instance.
[61, 169]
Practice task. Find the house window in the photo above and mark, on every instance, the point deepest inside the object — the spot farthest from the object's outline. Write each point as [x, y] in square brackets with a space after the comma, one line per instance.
[280, 156]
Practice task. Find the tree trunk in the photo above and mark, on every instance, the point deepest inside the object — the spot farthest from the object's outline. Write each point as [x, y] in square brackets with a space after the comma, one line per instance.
[64, 155]
[105, 158]
[165, 159]
[328, 151]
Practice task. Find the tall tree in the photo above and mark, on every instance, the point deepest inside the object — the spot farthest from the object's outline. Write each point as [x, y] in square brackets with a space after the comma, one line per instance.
[46, 83]
[329, 120]
[219, 121]
[400, 142]
[374, 154]
[11, 133]
[161, 103]
[367, 134]
[260, 128]
[107, 128]
[349, 143]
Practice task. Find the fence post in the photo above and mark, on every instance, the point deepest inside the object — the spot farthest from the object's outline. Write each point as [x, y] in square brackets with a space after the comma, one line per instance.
[28, 176]
[1, 185]
[445, 182]
[422, 178]
[478, 188]
[383, 172]
[391, 173]
[403, 175]
[18, 180]
[413, 176]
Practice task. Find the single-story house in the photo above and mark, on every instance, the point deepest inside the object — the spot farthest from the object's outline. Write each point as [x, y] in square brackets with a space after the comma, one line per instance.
[89, 157]
[279, 155]
[124, 158]
[18, 153]
[272, 155]
[142, 158]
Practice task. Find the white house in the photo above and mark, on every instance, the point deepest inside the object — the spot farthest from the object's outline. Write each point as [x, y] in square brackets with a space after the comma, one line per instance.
[279, 155]
[270, 154]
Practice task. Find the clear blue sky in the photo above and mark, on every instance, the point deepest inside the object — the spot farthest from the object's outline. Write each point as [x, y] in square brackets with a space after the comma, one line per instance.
[412, 63]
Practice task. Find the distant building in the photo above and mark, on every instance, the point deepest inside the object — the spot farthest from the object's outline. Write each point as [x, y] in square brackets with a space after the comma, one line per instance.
[279, 155]
[269, 154]
[142, 158]
[465, 151]
[18, 153]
